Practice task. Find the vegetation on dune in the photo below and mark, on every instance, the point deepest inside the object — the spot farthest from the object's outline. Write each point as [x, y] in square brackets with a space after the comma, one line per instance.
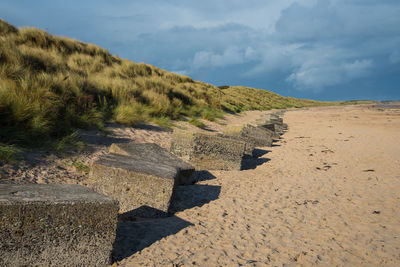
[50, 85]
[240, 98]
[356, 102]
[9, 153]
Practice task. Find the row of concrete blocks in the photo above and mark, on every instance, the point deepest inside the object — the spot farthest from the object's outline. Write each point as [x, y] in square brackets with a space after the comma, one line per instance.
[143, 177]
[70, 225]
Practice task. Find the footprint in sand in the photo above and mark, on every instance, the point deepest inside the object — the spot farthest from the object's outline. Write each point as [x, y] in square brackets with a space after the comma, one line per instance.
[324, 168]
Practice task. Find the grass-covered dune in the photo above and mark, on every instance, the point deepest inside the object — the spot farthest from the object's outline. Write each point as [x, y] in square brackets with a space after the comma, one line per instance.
[50, 85]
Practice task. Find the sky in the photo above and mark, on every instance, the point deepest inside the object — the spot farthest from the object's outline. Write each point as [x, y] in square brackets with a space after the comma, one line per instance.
[317, 49]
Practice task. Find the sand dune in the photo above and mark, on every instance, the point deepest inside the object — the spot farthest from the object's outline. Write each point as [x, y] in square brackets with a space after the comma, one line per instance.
[328, 194]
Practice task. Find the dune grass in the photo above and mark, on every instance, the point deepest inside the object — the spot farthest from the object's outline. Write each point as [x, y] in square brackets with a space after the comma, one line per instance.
[51, 85]
[196, 122]
[240, 98]
[9, 153]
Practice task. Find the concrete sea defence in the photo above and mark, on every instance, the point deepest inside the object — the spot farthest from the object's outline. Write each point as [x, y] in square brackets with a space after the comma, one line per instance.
[143, 177]
[55, 225]
[258, 136]
[156, 154]
[249, 144]
[143, 188]
[208, 151]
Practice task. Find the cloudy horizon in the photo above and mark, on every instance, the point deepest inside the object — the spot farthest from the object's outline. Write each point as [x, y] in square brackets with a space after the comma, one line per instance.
[319, 49]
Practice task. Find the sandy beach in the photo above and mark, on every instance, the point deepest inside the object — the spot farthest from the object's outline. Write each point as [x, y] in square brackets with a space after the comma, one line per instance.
[327, 194]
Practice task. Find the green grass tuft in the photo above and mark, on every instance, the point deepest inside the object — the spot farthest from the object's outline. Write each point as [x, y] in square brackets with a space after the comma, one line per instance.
[196, 122]
[69, 141]
[212, 114]
[9, 153]
[163, 122]
[81, 166]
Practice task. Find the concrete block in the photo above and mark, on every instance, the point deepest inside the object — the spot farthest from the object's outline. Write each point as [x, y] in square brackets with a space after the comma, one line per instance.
[280, 112]
[249, 144]
[156, 154]
[273, 119]
[259, 136]
[278, 126]
[208, 151]
[55, 225]
[134, 183]
[275, 127]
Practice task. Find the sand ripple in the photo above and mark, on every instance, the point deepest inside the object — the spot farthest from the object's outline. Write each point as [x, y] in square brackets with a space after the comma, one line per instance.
[329, 195]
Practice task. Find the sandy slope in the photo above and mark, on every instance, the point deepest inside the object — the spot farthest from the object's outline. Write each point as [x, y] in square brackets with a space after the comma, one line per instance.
[328, 194]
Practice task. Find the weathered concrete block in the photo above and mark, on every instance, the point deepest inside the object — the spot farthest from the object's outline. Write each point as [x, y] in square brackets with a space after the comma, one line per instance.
[273, 119]
[274, 127]
[277, 119]
[208, 151]
[134, 183]
[259, 136]
[55, 225]
[156, 154]
[249, 144]
[279, 126]
[266, 124]
[280, 112]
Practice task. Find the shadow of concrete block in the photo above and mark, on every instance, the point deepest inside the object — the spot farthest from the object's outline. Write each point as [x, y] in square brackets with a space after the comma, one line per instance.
[133, 236]
[186, 197]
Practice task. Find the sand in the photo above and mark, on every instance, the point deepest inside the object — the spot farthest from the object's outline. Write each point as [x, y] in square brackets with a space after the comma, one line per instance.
[327, 193]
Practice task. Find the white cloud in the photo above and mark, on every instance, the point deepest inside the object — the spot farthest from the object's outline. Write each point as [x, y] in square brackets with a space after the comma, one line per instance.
[357, 68]
[318, 73]
[230, 56]
[272, 56]
[181, 72]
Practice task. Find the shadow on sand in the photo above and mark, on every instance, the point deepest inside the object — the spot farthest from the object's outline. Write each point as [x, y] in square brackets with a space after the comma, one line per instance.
[153, 128]
[203, 175]
[95, 138]
[249, 163]
[252, 163]
[189, 196]
[135, 234]
[259, 152]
